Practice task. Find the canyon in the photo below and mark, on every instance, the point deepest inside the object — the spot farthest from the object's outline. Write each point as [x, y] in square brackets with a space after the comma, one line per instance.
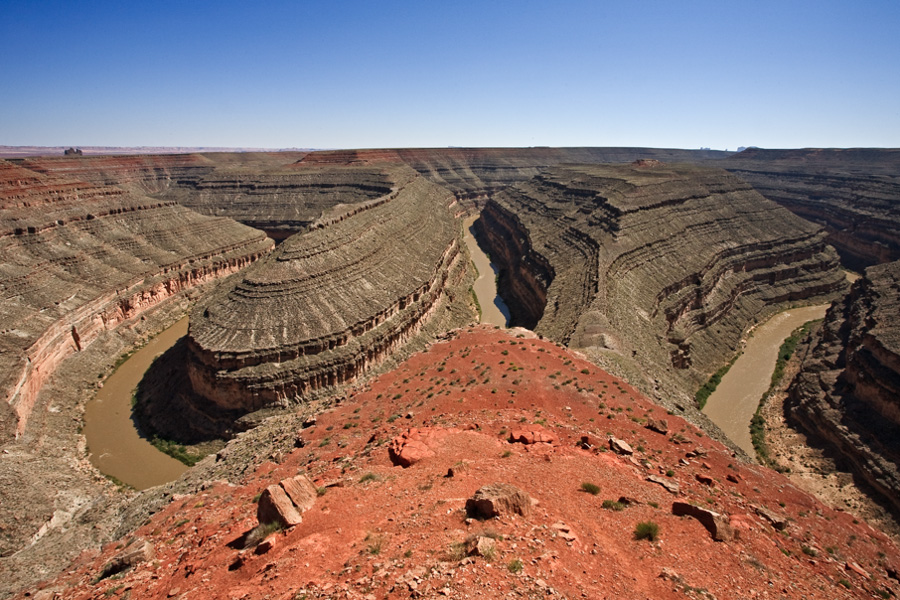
[652, 271]
[848, 391]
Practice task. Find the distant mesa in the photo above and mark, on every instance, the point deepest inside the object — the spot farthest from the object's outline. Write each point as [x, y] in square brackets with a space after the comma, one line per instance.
[73, 152]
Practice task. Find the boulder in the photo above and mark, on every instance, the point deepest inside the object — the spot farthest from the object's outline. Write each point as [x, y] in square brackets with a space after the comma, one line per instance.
[284, 502]
[620, 446]
[532, 434]
[481, 546]
[138, 551]
[302, 492]
[409, 447]
[497, 499]
[714, 522]
[777, 521]
[658, 425]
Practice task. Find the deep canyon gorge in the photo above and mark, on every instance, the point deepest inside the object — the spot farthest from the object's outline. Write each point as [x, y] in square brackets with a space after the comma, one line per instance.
[312, 279]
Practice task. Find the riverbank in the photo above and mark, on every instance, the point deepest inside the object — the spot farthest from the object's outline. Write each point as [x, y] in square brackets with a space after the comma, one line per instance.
[114, 444]
[493, 309]
[734, 402]
[809, 466]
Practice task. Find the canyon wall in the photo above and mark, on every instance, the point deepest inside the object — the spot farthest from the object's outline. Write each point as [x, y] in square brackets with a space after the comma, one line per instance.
[332, 303]
[852, 193]
[474, 174]
[848, 391]
[654, 271]
[79, 258]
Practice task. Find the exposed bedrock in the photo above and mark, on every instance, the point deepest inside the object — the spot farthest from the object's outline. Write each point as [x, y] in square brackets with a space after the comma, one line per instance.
[80, 258]
[848, 390]
[474, 174]
[852, 193]
[330, 304]
[653, 270]
[281, 199]
[148, 174]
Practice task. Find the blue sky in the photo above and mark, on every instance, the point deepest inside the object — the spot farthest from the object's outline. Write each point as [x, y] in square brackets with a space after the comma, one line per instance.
[331, 74]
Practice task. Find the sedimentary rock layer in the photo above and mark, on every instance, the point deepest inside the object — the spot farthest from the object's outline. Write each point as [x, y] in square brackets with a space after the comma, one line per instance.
[79, 258]
[331, 303]
[653, 270]
[848, 390]
[473, 174]
[281, 198]
[852, 193]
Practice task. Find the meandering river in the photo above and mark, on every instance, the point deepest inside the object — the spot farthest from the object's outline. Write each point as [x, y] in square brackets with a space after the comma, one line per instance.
[735, 400]
[115, 447]
[493, 309]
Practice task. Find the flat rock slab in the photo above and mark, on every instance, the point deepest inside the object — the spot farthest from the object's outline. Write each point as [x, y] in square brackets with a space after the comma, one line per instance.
[670, 486]
[714, 522]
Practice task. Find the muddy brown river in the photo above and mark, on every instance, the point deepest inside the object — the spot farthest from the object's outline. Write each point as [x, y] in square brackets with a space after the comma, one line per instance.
[114, 445]
[735, 400]
[493, 309]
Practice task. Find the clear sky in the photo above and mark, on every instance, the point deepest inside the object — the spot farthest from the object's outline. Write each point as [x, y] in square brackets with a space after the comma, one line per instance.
[342, 74]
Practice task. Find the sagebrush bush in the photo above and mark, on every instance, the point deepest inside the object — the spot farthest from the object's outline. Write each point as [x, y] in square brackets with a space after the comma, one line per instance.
[646, 530]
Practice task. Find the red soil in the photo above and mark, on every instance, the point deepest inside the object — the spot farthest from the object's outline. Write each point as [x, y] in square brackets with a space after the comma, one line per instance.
[381, 530]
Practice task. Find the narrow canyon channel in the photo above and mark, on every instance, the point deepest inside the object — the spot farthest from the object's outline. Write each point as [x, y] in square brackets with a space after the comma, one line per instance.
[493, 309]
[115, 447]
[735, 400]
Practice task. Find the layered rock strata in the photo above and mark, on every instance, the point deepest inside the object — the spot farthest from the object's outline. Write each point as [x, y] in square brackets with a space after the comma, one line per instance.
[80, 258]
[848, 390]
[852, 193]
[653, 270]
[474, 174]
[280, 199]
[330, 304]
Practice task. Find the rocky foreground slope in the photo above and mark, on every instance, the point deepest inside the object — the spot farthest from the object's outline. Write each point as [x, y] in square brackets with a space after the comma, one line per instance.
[493, 465]
[848, 392]
[332, 303]
[79, 258]
[654, 270]
[851, 192]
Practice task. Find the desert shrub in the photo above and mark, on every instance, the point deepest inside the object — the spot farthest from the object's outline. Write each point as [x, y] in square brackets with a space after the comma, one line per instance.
[515, 566]
[613, 505]
[646, 530]
[591, 488]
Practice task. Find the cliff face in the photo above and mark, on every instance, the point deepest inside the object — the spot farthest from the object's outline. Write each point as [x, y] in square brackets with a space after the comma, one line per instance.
[80, 258]
[330, 304]
[848, 391]
[653, 270]
[851, 193]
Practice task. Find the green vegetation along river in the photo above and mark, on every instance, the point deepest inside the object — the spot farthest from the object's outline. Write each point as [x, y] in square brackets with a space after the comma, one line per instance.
[734, 402]
[115, 447]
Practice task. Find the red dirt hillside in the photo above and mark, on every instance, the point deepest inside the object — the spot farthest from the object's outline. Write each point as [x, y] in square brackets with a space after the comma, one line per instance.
[380, 530]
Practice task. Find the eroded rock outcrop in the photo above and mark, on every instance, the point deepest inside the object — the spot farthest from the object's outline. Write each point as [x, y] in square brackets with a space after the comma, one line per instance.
[330, 304]
[80, 258]
[475, 174]
[652, 270]
[851, 192]
[848, 391]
